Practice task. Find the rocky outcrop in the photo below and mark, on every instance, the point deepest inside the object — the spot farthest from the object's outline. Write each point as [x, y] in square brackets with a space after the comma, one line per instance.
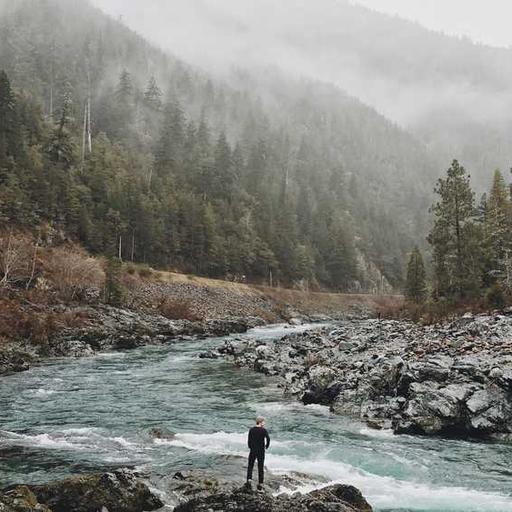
[337, 498]
[15, 358]
[451, 380]
[197, 491]
[185, 486]
[119, 491]
[103, 328]
[106, 328]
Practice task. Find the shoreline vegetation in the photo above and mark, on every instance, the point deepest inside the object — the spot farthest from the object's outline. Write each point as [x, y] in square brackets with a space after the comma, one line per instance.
[470, 247]
[59, 301]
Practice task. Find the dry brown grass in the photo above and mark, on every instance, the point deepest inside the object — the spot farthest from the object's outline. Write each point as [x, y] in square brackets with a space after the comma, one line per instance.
[307, 302]
[20, 319]
[325, 302]
[281, 301]
[175, 309]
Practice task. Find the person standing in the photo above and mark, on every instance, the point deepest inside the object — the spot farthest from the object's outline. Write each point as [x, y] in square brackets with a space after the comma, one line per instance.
[258, 441]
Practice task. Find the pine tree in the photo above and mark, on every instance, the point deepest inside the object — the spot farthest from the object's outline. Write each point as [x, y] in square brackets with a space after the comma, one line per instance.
[124, 90]
[153, 95]
[498, 224]
[123, 108]
[114, 292]
[454, 237]
[169, 147]
[9, 129]
[221, 181]
[340, 258]
[61, 148]
[415, 286]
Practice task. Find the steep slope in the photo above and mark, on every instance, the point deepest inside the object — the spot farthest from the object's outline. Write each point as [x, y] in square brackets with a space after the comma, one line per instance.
[452, 93]
[264, 176]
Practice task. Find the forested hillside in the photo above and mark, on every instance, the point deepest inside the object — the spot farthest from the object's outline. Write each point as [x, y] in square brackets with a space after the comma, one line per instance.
[453, 94]
[134, 153]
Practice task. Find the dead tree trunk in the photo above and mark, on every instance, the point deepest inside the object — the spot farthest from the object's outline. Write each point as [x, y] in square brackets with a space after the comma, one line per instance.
[33, 270]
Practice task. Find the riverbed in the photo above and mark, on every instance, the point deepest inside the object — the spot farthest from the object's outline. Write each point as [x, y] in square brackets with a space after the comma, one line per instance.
[71, 416]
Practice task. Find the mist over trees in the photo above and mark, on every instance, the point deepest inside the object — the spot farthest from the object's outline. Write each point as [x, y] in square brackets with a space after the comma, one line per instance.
[253, 176]
[452, 94]
[138, 155]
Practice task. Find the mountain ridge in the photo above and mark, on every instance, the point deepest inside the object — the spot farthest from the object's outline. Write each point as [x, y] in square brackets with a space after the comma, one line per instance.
[450, 92]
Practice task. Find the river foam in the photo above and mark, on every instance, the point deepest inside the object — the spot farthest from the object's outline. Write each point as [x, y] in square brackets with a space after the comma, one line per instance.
[106, 409]
[385, 493]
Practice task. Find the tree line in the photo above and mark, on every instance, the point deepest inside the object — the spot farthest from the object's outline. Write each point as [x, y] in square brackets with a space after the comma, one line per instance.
[136, 154]
[168, 193]
[471, 244]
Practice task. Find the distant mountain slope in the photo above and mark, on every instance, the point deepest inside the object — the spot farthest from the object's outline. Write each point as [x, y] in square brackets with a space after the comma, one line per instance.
[310, 186]
[454, 94]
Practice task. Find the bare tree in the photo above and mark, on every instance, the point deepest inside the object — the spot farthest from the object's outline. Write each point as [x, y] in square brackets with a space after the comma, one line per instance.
[34, 260]
[15, 251]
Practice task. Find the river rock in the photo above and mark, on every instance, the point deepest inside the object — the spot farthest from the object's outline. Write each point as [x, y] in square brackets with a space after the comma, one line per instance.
[70, 348]
[15, 359]
[103, 328]
[162, 433]
[20, 499]
[453, 379]
[119, 491]
[337, 498]
[223, 327]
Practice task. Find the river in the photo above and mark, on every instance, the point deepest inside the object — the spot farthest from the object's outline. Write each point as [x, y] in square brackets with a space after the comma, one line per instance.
[71, 416]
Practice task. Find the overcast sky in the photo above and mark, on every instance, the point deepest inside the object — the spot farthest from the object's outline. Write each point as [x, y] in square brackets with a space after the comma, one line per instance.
[486, 21]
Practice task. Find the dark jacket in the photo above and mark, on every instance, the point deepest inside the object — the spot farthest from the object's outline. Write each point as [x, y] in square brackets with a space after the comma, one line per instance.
[258, 439]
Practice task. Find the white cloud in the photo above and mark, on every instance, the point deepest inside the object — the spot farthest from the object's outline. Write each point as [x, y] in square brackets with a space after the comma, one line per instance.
[486, 21]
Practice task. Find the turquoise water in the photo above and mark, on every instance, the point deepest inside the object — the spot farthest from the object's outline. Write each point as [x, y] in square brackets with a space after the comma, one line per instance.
[89, 414]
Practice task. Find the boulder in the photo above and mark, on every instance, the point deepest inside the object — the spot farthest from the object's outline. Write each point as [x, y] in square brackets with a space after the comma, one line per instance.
[505, 379]
[14, 359]
[223, 327]
[322, 387]
[436, 368]
[337, 498]
[119, 491]
[490, 412]
[20, 499]
[452, 380]
[70, 348]
[161, 433]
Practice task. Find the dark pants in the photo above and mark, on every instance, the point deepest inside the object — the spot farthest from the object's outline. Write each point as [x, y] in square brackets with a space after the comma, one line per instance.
[260, 456]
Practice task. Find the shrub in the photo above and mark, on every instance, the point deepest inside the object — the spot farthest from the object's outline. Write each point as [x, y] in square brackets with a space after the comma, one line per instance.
[145, 272]
[175, 309]
[131, 269]
[114, 290]
[495, 297]
[18, 322]
[72, 272]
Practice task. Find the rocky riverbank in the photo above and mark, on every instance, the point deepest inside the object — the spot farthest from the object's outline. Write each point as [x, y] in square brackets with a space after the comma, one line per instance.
[119, 491]
[336, 498]
[157, 308]
[451, 380]
[123, 491]
[102, 328]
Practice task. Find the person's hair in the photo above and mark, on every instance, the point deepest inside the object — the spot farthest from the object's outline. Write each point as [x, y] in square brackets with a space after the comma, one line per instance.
[259, 420]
